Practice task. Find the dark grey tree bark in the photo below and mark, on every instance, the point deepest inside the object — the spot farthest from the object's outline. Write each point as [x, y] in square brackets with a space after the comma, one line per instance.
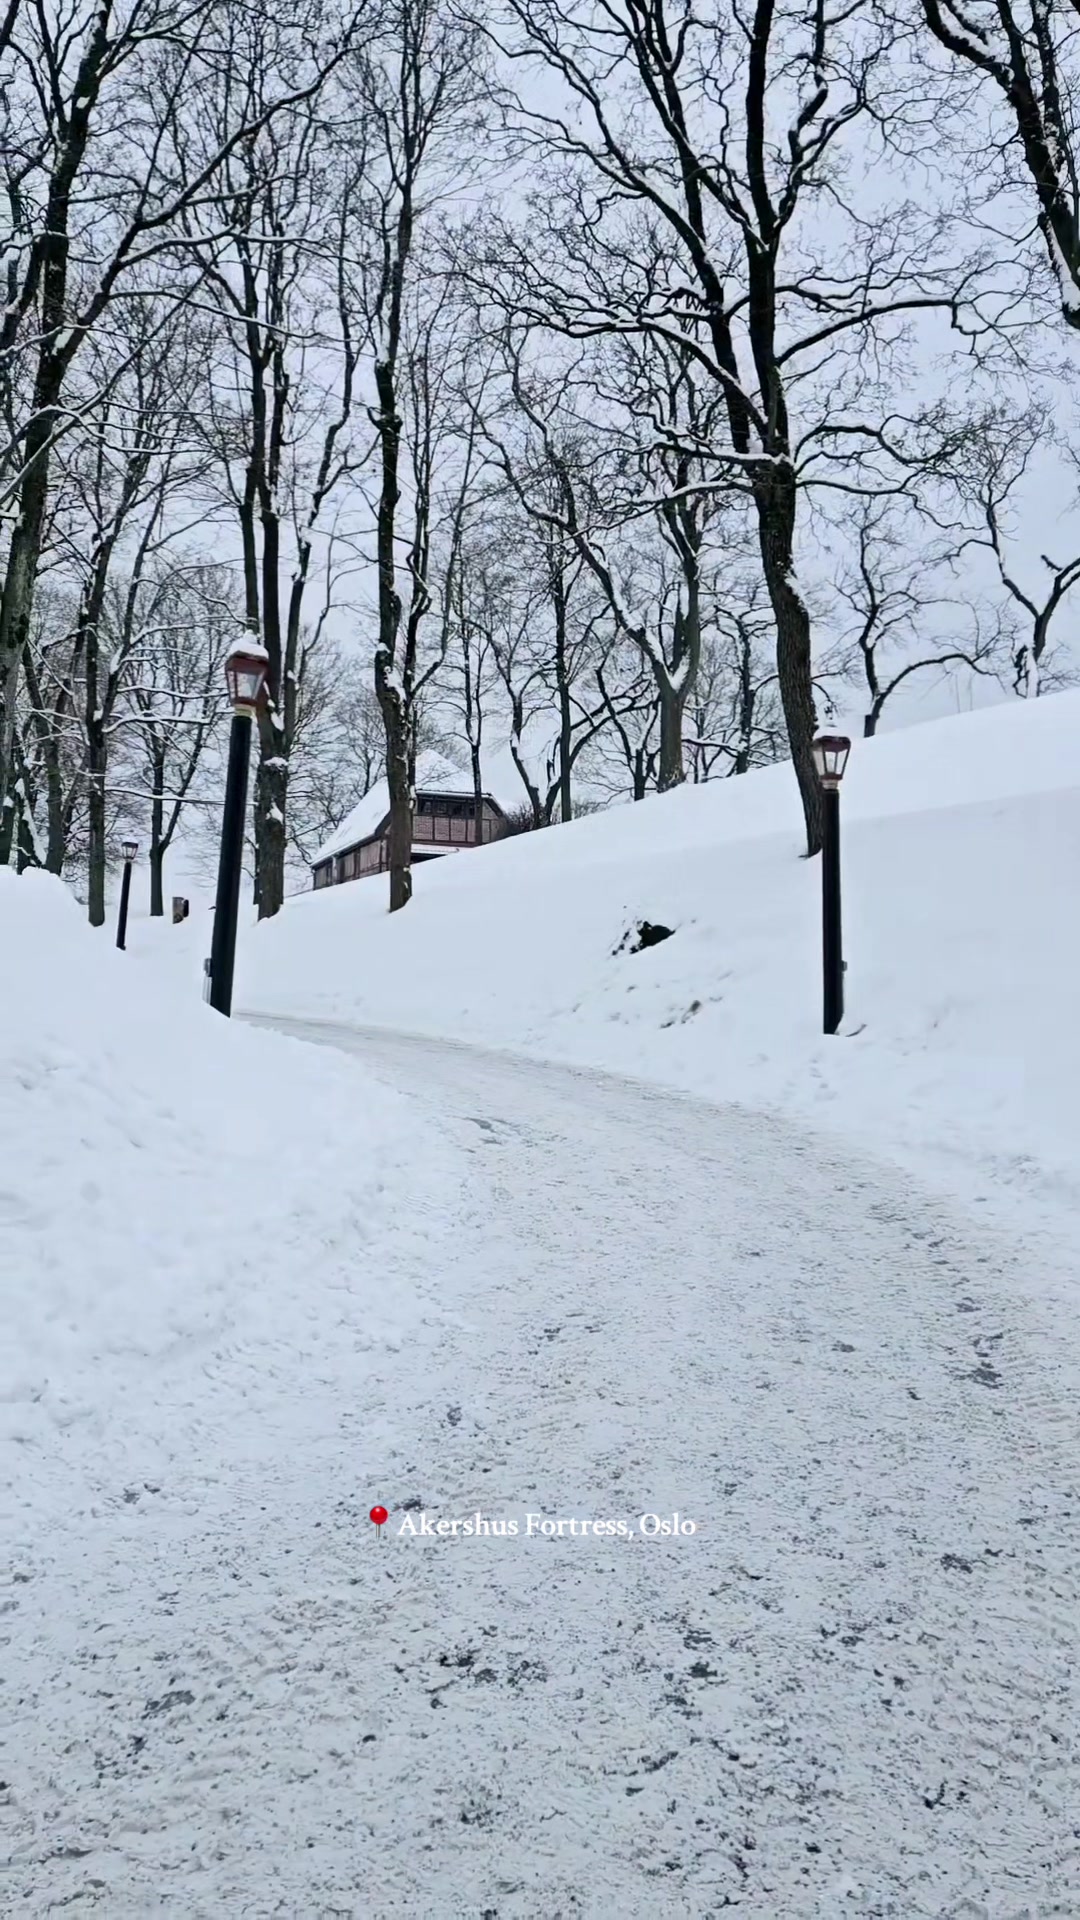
[157, 833]
[414, 82]
[557, 579]
[391, 679]
[47, 721]
[1026, 58]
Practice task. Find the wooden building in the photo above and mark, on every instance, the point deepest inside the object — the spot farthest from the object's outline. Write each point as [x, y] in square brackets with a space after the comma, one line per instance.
[444, 821]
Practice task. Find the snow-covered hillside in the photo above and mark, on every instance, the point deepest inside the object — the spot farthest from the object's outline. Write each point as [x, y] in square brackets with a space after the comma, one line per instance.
[960, 1051]
[729, 1471]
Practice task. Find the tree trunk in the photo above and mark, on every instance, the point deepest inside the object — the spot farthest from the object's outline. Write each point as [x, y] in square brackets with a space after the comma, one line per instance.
[394, 700]
[399, 851]
[272, 780]
[562, 684]
[157, 828]
[747, 700]
[96, 759]
[775, 498]
[873, 686]
[1033, 677]
[46, 725]
[157, 883]
[478, 790]
[55, 824]
[675, 688]
[16, 603]
[26, 854]
[97, 744]
[271, 795]
[672, 701]
[399, 763]
[566, 742]
[95, 858]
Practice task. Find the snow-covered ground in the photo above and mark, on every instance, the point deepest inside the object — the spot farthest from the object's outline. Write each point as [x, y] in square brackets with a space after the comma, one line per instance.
[816, 1297]
[960, 1053]
[154, 1212]
[183, 1297]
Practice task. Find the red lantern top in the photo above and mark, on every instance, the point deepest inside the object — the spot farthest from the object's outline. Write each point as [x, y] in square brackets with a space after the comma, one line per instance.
[246, 665]
[830, 757]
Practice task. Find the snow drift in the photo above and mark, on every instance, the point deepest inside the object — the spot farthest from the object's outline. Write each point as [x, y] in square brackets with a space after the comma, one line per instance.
[192, 1212]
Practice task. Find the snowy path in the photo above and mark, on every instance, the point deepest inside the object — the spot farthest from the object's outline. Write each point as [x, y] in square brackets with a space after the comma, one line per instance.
[853, 1690]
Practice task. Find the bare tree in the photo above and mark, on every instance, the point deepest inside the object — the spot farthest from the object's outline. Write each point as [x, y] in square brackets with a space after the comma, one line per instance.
[894, 597]
[999, 461]
[177, 621]
[339, 745]
[1027, 56]
[621, 500]
[738, 722]
[421, 88]
[632, 713]
[48, 739]
[604, 497]
[115, 482]
[95, 194]
[542, 653]
[282, 391]
[131, 461]
[726, 135]
[473, 675]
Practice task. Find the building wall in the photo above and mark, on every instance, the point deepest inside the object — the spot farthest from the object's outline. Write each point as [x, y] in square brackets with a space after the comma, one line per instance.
[434, 827]
[443, 830]
[358, 861]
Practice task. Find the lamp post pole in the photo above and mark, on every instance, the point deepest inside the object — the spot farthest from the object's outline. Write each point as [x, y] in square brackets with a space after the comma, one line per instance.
[830, 755]
[832, 944]
[230, 866]
[245, 672]
[130, 849]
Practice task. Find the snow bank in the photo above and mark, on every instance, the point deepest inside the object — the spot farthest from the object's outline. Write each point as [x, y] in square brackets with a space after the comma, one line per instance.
[192, 1213]
[961, 1046]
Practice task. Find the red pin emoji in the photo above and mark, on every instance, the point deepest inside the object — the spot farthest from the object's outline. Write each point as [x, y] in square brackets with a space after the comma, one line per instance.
[380, 1517]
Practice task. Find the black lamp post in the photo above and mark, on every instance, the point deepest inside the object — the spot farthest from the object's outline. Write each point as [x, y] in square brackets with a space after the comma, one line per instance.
[245, 674]
[129, 849]
[830, 758]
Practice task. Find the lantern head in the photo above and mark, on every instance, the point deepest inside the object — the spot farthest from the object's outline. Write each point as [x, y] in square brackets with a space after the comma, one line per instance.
[830, 758]
[246, 666]
[129, 848]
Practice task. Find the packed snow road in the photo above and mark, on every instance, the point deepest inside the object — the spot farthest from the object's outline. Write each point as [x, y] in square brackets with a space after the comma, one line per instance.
[851, 1689]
